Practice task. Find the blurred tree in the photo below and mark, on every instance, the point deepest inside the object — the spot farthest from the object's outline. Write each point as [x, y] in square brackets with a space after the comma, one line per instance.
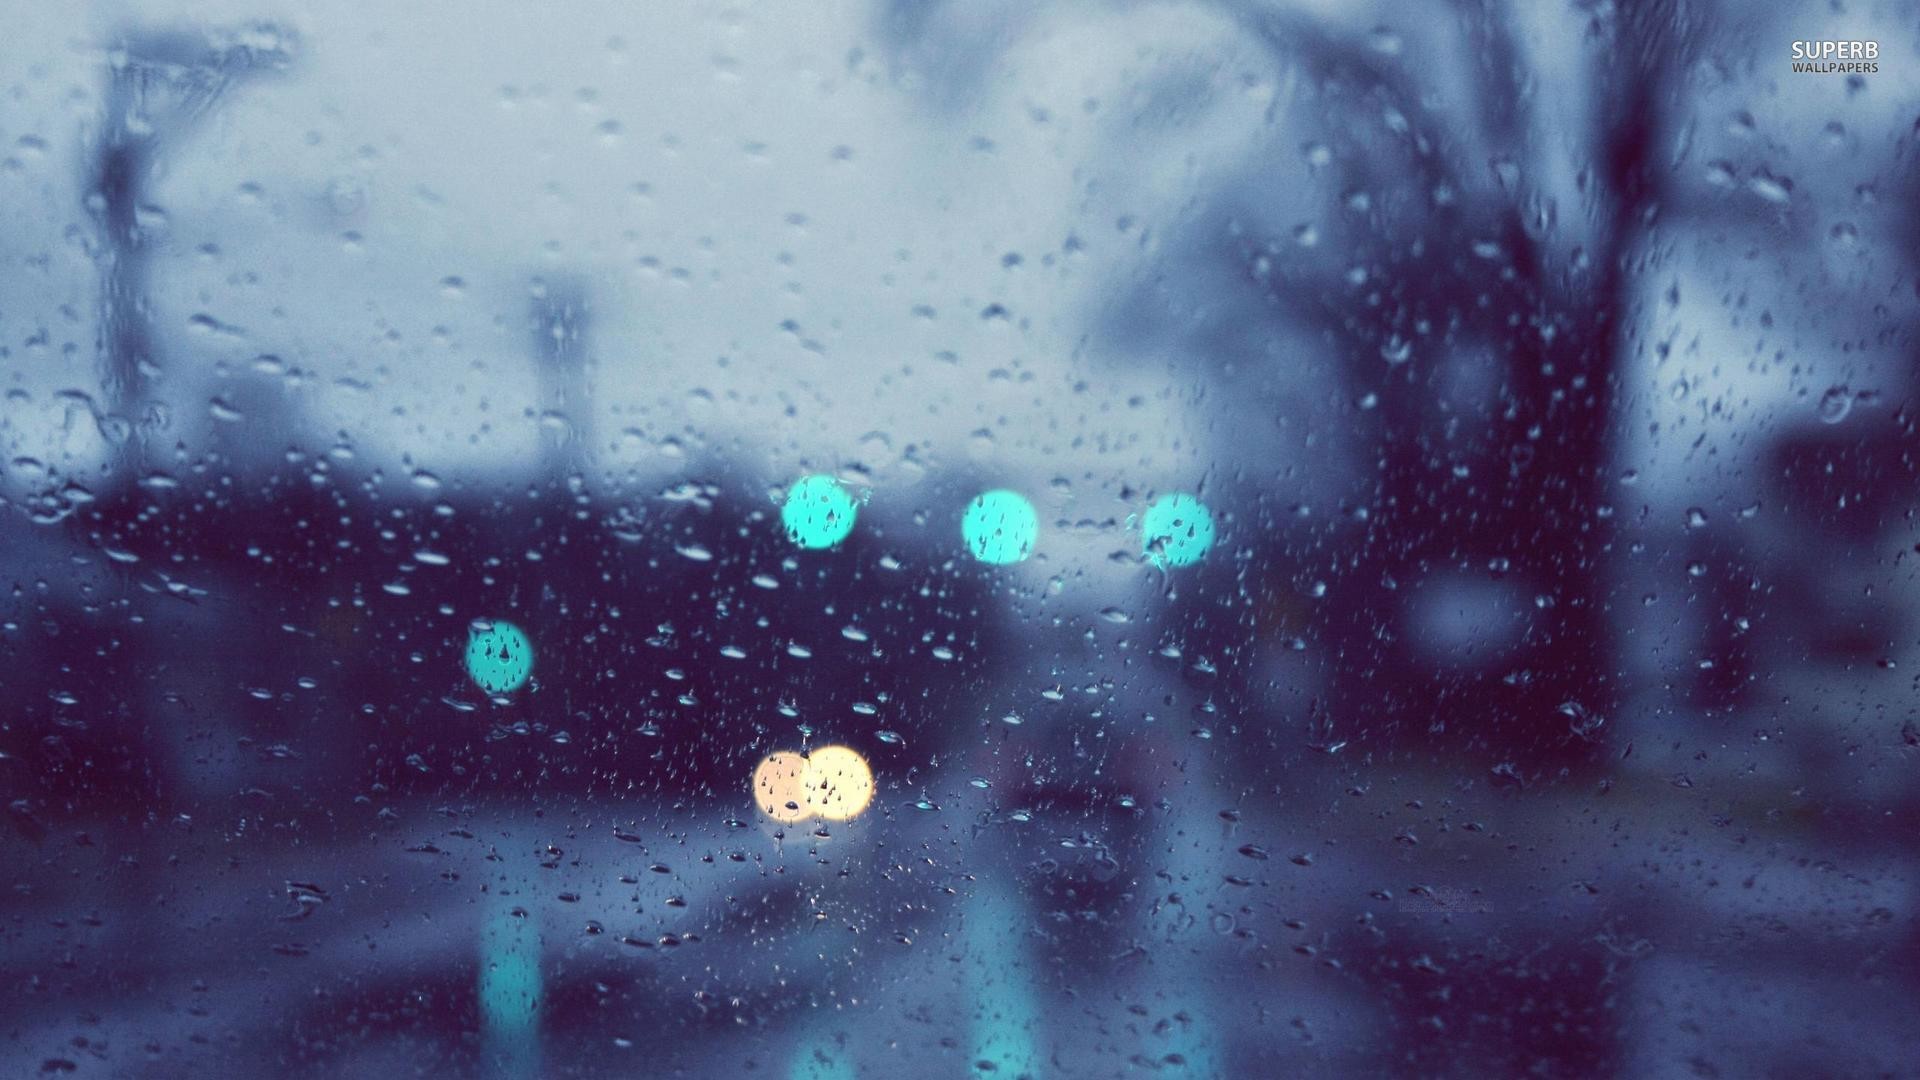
[1447, 252]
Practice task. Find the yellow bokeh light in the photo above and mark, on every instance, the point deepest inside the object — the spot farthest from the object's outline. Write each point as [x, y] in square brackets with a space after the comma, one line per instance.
[779, 787]
[833, 782]
[839, 783]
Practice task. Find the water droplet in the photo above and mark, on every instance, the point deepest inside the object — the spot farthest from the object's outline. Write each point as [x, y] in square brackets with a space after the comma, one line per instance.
[1835, 404]
[1774, 189]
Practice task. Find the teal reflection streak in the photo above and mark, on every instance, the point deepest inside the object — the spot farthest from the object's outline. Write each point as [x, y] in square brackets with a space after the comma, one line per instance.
[819, 512]
[1006, 1010]
[1177, 531]
[509, 993]
[1000, 527]
[500, 658]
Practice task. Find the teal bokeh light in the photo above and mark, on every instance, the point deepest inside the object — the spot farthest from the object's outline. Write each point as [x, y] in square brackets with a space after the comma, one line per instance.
[819, 512]
[499, 658]
[1000, 527]
[1177, 531]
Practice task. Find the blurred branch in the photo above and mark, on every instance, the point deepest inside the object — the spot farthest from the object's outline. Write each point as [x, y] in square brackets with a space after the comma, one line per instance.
[1294, 39]
[160, 82]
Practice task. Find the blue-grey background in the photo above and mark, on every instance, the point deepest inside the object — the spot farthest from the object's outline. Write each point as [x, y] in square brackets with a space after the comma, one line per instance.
[1545, 706]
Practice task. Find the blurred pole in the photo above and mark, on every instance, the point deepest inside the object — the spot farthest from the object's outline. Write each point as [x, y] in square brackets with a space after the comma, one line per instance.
[159, 84]
[561, 325]
[509, 985]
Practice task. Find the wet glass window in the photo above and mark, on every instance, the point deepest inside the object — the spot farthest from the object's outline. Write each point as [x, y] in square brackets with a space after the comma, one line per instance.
[911, 538]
